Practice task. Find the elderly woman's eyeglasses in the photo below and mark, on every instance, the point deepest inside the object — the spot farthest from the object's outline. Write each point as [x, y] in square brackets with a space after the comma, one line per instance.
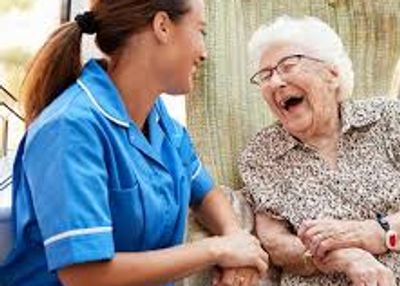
[284, 66]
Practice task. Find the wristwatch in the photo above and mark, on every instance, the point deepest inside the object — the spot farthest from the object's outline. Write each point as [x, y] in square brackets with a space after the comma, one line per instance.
[391, 236]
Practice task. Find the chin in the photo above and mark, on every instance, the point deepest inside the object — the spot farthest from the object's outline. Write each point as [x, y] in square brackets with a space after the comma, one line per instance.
[178, 90]
[181, 88]
[297, 127]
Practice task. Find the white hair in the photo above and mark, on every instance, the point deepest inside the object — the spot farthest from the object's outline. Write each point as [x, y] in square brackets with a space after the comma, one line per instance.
[309, 32]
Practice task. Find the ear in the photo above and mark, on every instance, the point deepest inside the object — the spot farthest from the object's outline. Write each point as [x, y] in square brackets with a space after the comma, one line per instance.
[333, 76]
[334, 70]
[334, 82]
[162, 27]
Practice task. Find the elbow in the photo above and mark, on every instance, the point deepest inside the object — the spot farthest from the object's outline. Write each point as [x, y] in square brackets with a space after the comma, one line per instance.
[69, 279]
[74, 276]
[272, 246]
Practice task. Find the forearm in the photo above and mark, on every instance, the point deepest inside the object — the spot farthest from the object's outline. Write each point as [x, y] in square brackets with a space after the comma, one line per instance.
[288, 252]
[145, 268]
[216, 213]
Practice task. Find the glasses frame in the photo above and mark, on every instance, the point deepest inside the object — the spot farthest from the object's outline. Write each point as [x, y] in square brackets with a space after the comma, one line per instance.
[276, 67]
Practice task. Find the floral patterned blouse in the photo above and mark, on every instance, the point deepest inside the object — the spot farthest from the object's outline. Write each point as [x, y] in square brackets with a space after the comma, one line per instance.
[285, 178]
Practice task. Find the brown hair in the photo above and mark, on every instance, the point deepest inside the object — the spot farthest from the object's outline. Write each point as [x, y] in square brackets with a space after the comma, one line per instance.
[58, 63]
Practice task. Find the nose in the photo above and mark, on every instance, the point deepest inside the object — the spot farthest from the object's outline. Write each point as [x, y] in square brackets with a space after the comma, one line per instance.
[276, 80]
[203, 55]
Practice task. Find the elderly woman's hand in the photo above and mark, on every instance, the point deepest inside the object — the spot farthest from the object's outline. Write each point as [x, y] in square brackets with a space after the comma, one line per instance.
[324, 235]
[360, 267]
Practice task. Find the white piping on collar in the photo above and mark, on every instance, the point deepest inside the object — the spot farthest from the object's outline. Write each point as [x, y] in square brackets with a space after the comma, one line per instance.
[97, 105]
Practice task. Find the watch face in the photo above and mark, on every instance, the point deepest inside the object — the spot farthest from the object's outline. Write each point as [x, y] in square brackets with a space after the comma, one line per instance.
[392, 240]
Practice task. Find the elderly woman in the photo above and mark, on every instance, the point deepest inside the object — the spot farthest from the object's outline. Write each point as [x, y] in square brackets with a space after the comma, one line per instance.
[324, 181]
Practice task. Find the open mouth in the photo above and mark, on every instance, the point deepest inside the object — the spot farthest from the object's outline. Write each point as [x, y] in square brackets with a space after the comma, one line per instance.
[291, 101]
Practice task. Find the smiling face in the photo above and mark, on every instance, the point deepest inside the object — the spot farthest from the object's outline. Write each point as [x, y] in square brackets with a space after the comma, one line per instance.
[303, 96]
[187, 49]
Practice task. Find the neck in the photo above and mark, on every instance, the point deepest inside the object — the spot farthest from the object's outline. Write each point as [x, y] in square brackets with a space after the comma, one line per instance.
[138, 90]
[324, 136]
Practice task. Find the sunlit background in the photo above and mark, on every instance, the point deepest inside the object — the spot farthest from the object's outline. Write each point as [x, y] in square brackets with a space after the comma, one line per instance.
[24, 27]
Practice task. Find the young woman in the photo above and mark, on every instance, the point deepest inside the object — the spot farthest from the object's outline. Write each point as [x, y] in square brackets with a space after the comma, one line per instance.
[104, 176]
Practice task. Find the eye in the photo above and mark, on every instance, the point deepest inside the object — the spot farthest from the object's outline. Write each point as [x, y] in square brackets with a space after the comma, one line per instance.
[203, 32]
[288, 65]
[264, 76]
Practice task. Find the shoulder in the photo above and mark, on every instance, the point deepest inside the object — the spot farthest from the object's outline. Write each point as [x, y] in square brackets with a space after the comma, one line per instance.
[360, 113]
[69, 116]
[372, 108]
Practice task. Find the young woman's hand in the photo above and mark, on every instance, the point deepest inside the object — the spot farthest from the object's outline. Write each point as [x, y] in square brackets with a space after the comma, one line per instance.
[242, 276]
[239, 249]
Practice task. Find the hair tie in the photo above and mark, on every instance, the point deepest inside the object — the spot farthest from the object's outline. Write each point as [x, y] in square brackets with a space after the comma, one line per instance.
[87, 23]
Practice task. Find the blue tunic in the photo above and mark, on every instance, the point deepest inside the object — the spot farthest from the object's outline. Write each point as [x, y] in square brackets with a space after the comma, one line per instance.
[88, 184]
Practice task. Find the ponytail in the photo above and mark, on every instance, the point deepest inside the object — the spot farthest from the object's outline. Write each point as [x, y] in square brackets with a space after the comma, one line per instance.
[56, 66]
[58, 63]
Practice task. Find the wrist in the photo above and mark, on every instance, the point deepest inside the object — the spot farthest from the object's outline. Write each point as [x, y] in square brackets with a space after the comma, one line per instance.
[391, 241]
[214, 249]
[231, 229]
[378, 237]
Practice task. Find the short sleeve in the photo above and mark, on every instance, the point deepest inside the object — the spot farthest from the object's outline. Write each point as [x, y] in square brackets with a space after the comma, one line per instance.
[200, 180]
[66, 172]
[392, 120]
[262, 190]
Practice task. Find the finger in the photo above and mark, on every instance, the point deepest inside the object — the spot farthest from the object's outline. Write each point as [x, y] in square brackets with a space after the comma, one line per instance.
[240, 278]
[228, 277]
[324, 246]
[315, 242]
[371, 279]
[237, 280]
[308, 235]
[216, 276]
[261, 266]
[313, 234]
[305, 225]
[264, 256]
[358, 282]
[245, 279]
[255, 281]
[328, 245]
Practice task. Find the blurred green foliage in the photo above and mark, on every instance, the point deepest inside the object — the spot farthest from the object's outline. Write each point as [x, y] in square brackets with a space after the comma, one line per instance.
[8, 5]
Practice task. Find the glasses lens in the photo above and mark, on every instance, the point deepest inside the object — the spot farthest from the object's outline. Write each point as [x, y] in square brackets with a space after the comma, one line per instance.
[287, 65]
[262, 76]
